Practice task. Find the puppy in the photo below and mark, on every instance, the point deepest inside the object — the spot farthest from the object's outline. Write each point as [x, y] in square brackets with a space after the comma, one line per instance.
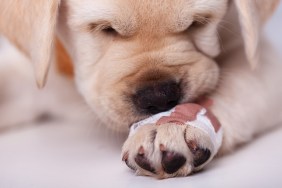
[135, 58]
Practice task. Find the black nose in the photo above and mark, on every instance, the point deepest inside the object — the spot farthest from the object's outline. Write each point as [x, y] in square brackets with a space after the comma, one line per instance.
[157, 97]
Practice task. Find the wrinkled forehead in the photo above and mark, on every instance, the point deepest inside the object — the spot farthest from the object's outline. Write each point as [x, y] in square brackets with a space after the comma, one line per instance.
[145, 11]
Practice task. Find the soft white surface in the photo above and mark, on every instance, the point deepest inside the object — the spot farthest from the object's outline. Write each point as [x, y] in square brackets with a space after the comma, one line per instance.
[74, 153]
[71, 156]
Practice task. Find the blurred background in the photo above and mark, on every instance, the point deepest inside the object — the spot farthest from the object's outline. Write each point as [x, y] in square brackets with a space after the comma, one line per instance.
[42, 146]
[274, 29]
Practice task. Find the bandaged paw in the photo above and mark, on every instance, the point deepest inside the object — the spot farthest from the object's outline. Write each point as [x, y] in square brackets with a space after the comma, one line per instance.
[200, 129]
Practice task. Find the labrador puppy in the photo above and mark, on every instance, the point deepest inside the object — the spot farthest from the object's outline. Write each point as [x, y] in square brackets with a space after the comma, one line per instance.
[135, 58]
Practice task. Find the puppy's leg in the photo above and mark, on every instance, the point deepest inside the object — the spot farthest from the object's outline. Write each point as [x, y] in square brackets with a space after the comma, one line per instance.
[248, 102]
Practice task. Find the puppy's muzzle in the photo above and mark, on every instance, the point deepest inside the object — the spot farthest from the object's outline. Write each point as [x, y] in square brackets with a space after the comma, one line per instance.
[157, 97]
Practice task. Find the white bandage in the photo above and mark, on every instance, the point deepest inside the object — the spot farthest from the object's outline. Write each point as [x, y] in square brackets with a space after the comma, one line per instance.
[201, 122]
[150, 120]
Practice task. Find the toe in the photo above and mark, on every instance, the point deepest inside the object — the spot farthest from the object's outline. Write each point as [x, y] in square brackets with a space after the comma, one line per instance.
[172, 162]
[143, 162]
[125, 159]
[200, 155]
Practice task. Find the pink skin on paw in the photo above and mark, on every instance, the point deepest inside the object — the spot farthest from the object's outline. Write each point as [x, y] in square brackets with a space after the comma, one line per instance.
[184, 113]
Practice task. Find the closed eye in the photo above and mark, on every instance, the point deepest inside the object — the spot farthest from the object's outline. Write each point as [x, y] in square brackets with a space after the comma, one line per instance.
[103, 27]
[199, 22]
[109, 31]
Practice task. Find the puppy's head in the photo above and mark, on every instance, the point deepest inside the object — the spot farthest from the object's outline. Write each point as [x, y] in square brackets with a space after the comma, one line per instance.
[135, 58]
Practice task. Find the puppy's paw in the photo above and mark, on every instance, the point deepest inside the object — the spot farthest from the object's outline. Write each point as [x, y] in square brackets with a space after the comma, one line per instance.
[168, 150]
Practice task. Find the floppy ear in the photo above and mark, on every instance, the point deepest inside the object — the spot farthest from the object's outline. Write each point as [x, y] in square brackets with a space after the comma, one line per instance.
[30, 25]
[63, 60]
[252, 16]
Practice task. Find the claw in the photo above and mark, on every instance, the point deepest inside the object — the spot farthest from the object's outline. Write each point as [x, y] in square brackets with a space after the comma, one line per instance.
[141, 151]
[162, 147]
[125, 156]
